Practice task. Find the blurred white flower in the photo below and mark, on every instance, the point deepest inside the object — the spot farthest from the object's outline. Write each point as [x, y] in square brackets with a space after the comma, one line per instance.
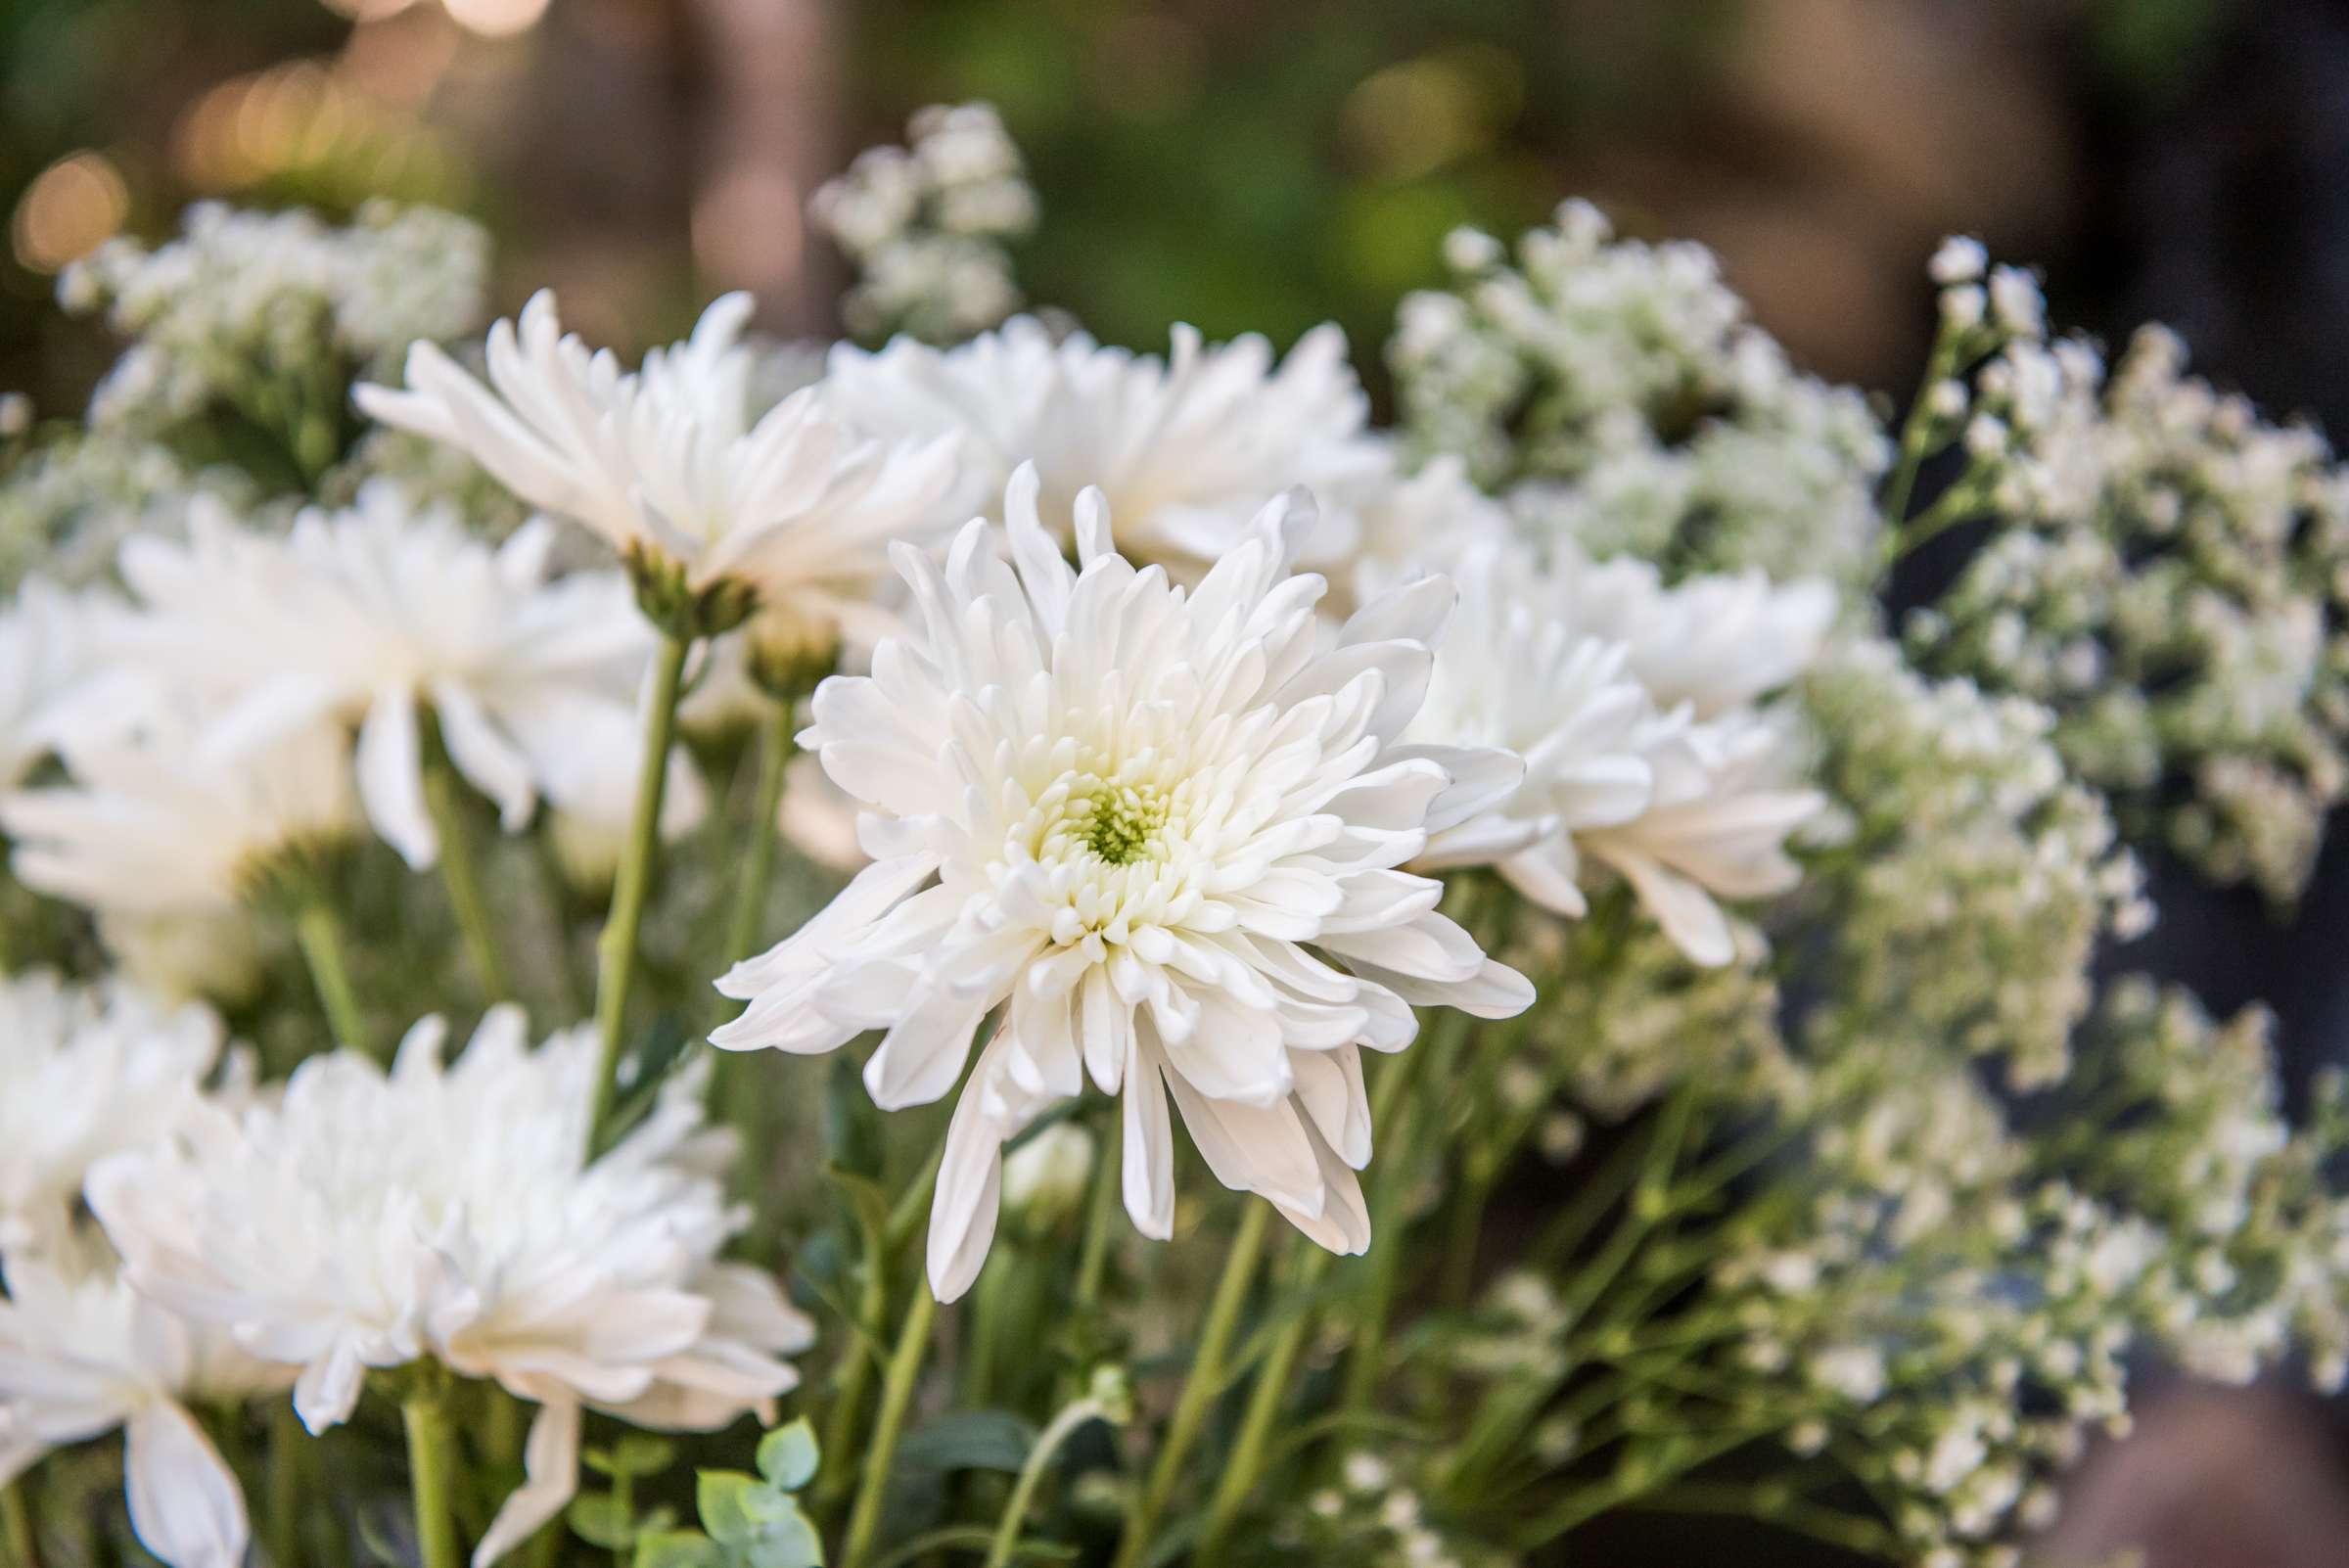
[150, 828]
[1518, 669]
[88, 1073]
[1714, 827]
[450, 1211]
[81, 1355]
[1164, 834]
[1713, 642]
[374, 617]
[44, 650]
[667, 466]
[1187, 448]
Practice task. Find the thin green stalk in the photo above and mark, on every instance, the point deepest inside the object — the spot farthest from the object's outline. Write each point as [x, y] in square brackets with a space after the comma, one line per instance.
[896, 1395]
[1092, 1256]
[776, 748]
[1775, 1505]
[1246, 1466]
[288, 1464]
[16, 1523]
[1032, 1474]
[320, 934]
[1916, 431]
[738, 1080]
[444, 801]
[1199, 1389]
[1585, 1503]
[631, 885]
[431, 1477]
[1395, 1118]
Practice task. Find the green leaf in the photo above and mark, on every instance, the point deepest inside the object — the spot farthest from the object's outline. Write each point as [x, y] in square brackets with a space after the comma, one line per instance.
[787, 1455]
[638, 1453]
[678, 1548]
[728, 1505]
[865, 1199]
[969, 1440]
[851, 1124]
[597, 1518]
[788, 1542]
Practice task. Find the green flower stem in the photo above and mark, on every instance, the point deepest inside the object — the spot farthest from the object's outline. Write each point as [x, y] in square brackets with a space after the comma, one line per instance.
[432, 1477]
[445, 802]
[775, 749]
[1199, 1388]
[1032, 1474]
[1394, 1119]
[320, 933]
[1092, 1256]
[616, 950]
[1917, 429]
[896, 1395]
[16, 1523]
[1629, 1482]
[1245, 1467]
[288, 1466]
[738, 1080]
[1780, 1506]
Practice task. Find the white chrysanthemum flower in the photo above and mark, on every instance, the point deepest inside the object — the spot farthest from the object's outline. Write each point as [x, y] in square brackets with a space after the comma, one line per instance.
[1713, 642]
[148, 828]
[1428, 520]
[1162, 829]
[373, 615]
[1518, 669]
[44, 650]
[450, 1211]
[81, 1355]
[1187, 448]
[666, 462]
[88, 1074]
[1714, 827]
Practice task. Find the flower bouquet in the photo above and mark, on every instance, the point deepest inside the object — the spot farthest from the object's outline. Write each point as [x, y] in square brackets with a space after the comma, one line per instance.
[880, 818]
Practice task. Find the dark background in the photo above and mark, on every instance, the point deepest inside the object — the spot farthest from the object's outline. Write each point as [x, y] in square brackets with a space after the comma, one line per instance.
[1253, 163]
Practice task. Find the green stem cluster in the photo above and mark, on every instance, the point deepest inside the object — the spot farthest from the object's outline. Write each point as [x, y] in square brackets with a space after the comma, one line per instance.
[1199, 1389]
[631, 884]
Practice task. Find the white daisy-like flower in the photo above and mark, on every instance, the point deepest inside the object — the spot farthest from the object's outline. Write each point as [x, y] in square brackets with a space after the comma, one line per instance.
[88, 1073]
[449, 1210]
[1715, 643]
[372, 617]
[1714, 827]
[44, 650]
[1187, 448]
[148, 828]
[666, 464]
[1518, 671]
[83, 1355]
[1428, 520]
[1163, 830]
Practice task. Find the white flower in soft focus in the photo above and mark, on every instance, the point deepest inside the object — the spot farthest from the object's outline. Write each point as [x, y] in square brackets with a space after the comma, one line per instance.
[88, 1074]
[1162, 830]
[1187, 449]
[82, 1353]
[1518, 669]
[666, 460]
[1428, 520]
[449, 1210]
[1715, 643]
[374, 616]
[44, 650]
[148, 828]
[1714, 829]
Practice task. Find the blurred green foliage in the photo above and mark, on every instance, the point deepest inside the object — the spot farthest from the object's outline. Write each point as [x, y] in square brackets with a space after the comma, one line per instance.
[1254, 166]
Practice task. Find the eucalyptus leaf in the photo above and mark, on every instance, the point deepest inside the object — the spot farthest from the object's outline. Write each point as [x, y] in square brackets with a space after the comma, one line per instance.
[787, 1455]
